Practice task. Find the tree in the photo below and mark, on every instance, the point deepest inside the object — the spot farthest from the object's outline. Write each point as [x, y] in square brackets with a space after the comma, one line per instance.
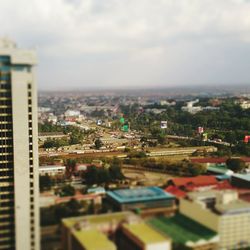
[236, 165]
[196, 169]
[103, 176]
[45, 182]
[115, 172]
[91, 175]
[98, 143]
[70, 164]
[67, 190]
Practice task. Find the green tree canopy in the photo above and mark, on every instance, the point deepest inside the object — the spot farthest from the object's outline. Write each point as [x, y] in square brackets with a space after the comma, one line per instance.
[236, 165]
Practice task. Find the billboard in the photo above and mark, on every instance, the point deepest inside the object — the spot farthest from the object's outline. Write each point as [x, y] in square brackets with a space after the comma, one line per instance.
[125, 128]
[164, 124]
[99, 122]
[247, 138]
[122, 120]
[200, 130]
[204, 136]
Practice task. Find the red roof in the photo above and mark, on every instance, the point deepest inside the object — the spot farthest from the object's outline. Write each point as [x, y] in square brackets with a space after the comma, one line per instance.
[217, 160]
[198, 181]
[209, 160]
[78, 197]
[175, 191]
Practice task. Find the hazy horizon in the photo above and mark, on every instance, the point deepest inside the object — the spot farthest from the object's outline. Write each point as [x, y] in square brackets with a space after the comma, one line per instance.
[133, 44]
[194, 90]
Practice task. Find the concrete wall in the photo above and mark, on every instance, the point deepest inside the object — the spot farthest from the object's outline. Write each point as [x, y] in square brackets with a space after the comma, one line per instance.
[197, 213]
[234, 230]
[22, 180]
[159, 246]
[21, 160]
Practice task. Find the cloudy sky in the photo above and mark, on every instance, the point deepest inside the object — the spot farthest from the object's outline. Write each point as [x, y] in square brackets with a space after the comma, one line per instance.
[132, 43]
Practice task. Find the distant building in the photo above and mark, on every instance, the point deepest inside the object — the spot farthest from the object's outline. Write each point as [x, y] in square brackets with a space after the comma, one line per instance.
[48, 199]
[179, 151]
[52, 118]
[52, 170]
[245, 104]
[222, 212]
[146, 200]
[72, 113]
[52, 135]
[192, 183]
[181, 186]
[195, 109]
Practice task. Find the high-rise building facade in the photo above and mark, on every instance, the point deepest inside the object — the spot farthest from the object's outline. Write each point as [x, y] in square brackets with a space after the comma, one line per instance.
[19, 190]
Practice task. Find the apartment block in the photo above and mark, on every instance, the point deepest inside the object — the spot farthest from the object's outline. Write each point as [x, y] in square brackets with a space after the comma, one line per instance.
[222, 212]
[19, 190]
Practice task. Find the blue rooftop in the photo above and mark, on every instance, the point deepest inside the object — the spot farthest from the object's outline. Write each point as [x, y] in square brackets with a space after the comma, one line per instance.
[245, 177]
[223, 177]
[139, 194]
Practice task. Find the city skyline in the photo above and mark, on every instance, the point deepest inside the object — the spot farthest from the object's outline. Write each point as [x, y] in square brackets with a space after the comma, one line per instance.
[88, 44]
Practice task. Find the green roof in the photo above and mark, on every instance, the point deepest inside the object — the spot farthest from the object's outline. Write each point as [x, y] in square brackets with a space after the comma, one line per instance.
[182, 229]
[145, 233]
[93, 239]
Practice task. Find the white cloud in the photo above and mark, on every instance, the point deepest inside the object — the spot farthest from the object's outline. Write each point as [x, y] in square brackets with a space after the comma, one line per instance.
[86, 41]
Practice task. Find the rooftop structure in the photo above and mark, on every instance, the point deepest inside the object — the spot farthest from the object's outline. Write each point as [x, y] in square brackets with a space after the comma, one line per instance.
[145, 198]
[123, 231]
[142, 236]
[194, 182]
[181, 186]
[91, 239]
[220, 170]
[179, 151]
[186, 232]
[91, 232]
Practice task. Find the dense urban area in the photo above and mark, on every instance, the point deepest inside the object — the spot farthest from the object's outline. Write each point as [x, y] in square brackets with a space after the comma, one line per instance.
[125, 125]
[133, 170]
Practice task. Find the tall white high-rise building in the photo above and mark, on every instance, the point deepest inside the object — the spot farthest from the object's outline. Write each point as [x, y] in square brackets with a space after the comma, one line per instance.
[19, 189]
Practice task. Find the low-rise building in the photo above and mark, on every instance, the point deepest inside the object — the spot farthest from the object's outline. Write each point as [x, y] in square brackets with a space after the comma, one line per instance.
[52, 170]
[141, 236]
[186, 233]
[147, 200]
[93, 232]
[123, 231]
[222, 212]
[48, 199]
[52, 135]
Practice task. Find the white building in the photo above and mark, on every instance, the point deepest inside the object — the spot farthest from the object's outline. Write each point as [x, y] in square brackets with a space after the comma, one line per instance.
[19, 189]
[52, 170]
[72, 113]
[222, 212]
